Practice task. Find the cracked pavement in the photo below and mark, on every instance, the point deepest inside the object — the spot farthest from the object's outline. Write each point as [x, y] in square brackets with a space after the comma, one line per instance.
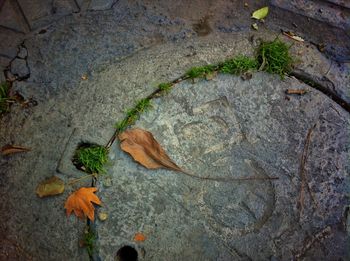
[224, 127]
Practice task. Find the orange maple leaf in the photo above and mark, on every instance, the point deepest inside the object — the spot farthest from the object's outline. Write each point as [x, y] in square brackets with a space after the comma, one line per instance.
[80, 202]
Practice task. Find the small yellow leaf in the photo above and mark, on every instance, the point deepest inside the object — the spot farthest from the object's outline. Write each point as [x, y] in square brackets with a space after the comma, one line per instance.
[261, 13]
[255, 26]
[50, 187]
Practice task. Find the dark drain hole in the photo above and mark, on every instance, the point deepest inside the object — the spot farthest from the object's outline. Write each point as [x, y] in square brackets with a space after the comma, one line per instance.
[127, 253]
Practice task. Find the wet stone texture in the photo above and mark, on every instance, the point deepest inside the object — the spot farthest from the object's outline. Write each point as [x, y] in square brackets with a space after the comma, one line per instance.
[232, 128]
[222, 128]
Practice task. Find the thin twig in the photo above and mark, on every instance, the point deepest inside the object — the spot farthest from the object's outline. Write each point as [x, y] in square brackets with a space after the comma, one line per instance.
[303, 177]
[79, 179]
[227, 179]
[318, 237]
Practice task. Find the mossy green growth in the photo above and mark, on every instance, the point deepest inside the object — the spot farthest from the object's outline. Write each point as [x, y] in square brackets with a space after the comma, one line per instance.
[165, 87]
[274, 57]
[122, 125]
[200, 72]
[92, 158]
[238, 65]
[89, 241]
[143, 105]
[133, 114]
[4, 97]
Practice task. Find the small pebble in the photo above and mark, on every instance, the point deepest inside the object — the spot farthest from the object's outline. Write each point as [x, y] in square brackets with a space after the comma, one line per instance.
[107, 182]
[102, 216]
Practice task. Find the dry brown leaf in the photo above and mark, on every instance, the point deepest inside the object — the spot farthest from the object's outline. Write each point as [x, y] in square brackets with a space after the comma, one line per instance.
[139, 237]
[11, 149]
[296, 91]
[50, 187]
[293, 36]
[144, 149]
[81, 201]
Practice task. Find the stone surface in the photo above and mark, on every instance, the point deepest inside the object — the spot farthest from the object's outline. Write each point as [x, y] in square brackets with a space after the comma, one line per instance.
[19, 68]
[228, 127]
[335, 15]
[332, 75]
[126, 51]
[9, 42]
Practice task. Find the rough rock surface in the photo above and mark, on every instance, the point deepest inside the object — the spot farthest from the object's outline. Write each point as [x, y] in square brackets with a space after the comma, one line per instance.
[228, 127]
[224, 127]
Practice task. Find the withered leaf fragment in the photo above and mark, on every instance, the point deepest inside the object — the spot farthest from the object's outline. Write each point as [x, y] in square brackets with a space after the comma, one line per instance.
[296, 91]
[50, 187]
[293, 36]
[139, 237]
[11, 149]
[144, 149]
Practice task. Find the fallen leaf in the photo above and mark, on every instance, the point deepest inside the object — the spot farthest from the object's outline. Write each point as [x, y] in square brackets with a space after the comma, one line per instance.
[80, 202]
[296, 91]
[255, 26]
[84, 77]
[50, 187]
[139, 237]
[293, 36]
[144, 149]
[260, 13]
[11, 149]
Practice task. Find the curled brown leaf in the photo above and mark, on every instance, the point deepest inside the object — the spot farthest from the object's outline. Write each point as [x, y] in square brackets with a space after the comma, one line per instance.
[144, 149]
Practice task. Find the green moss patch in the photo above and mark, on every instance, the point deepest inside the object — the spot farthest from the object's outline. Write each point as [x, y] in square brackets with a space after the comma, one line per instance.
[91, 158]
[274, 57]
[133, 114]
[238, 65]
[200, 72]
[4, 97]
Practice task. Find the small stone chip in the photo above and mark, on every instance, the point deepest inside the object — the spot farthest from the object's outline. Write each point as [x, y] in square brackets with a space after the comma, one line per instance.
[107, 182]
[102, 216]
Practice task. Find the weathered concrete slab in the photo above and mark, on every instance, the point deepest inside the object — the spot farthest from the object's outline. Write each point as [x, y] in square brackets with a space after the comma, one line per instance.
[119, 50]
[233, 128]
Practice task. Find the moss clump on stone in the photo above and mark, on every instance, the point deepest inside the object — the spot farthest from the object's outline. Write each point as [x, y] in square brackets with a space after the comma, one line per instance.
[165, 87]
[91, 158]
[238, 65]
[4, 97]
[133, 114]
[89, 241]
[274, 57]
[200, 72]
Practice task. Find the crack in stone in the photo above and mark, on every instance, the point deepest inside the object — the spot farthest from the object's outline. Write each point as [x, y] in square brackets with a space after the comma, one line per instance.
[321, 85]
[13, 76]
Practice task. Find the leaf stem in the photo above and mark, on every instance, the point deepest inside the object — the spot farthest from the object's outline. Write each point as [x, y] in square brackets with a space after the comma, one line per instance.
[79, 179]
